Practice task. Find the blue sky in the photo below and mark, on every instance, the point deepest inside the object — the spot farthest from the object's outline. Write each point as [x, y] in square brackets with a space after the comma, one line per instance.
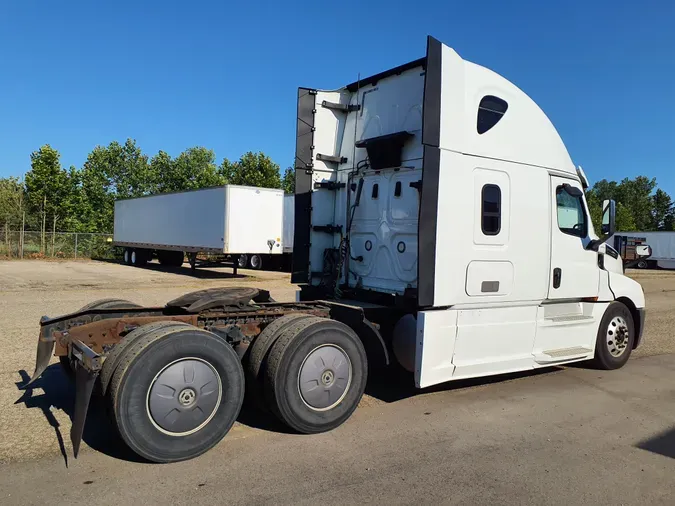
[224, 74]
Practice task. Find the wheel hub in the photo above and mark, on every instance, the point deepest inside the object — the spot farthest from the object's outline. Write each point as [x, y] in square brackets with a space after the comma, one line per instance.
[325, 377]
[617, 336]
[184, 396]
[187, 397]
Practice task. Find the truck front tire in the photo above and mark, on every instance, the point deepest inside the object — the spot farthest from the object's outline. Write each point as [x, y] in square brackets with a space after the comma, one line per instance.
[616, 336]
[316, 375]
[176, 393]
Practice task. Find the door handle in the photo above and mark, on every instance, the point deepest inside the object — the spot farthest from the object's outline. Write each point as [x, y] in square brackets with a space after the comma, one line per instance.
[557, 276]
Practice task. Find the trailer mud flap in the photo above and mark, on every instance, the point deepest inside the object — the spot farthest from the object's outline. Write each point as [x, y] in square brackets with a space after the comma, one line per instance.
[84, 386]
[44, 355]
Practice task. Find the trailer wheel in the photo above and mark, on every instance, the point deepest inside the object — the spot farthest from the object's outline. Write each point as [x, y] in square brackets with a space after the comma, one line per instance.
[66, 364]
[127, 256]
[138, 258]
[242, 261]
[256, 262]
[113, 358]
[616, 336]
[176, 392]
[255, 366]
[642, 264]
[316, 375]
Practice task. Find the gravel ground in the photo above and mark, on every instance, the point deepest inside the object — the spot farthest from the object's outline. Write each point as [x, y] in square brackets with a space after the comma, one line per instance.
[30, 289]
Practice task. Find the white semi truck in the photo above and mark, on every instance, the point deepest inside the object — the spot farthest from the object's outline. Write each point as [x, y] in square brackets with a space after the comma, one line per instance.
[250, 227]
[439, 223]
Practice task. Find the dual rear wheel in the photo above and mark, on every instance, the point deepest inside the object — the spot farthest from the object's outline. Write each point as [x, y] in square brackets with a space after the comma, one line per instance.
[173, 390]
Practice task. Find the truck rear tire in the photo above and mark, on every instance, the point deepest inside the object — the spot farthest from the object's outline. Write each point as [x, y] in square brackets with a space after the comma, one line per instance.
[176, 393]
[616, 336]
[126, 256]
[65, 362]
[257, 358]
[113, 357]
[316, 375]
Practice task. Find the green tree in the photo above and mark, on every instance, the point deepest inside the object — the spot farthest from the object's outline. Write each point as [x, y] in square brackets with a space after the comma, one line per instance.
[253, 169]
[635, 194]
[662, 210]
[116, 171]
[11, 208]
[194, 168]
[288, 181]
[51, 192]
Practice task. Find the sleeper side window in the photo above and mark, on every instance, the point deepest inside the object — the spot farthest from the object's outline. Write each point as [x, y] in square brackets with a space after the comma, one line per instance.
[491, 209]
[490, 110]
[571, 211]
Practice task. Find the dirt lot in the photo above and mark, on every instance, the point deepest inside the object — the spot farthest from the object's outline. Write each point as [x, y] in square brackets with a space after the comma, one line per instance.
[31, 289]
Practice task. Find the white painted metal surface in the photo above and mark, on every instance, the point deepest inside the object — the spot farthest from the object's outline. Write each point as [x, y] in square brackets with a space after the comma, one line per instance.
[288, 224]
[188, 219]
[254, 220]
[496, 307]
[227, 219]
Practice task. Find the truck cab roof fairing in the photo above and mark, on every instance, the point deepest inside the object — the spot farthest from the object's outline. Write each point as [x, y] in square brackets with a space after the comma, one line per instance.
[523, 135]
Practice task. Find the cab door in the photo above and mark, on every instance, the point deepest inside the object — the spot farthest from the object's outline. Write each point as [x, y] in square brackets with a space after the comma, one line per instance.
[574, 272]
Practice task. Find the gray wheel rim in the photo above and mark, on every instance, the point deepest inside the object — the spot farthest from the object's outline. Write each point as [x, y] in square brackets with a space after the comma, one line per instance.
[242, 261]
[184, 396]
[255, 261]
[126, 256]
[617, 336]
[325, 377]
[134, 258]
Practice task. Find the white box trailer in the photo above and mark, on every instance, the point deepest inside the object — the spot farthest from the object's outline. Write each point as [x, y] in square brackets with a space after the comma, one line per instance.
[438, 214]
[242, 223]
[662, 244]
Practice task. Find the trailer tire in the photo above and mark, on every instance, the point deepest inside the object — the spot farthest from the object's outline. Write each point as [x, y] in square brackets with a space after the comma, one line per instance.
[138, 258]
[256, 262]
[642, 264]
[193, 368]
[66, 363]
[256, 364]
[316, 351]
[126, 256]
[242, 261]
[616, 336]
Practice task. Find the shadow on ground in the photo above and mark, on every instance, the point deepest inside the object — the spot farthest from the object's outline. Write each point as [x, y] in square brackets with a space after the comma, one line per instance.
[99, 433]
[388, 385]
[662, 444]
[203, 271]
[395, 384]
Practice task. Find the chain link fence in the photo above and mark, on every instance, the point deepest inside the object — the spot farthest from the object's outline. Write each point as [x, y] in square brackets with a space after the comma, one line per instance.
[17, 244]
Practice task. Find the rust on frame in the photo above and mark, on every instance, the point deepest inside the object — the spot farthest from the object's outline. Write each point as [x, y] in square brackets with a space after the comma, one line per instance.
[108, 331]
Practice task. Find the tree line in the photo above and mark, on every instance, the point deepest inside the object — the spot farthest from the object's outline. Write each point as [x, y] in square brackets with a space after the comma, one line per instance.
[53, 198]
[640, 205]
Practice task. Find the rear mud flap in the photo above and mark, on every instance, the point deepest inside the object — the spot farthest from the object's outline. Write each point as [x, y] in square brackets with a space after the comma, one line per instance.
[44, 355]
[84, 386]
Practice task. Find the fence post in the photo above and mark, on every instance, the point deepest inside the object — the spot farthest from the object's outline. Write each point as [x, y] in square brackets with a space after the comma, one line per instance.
[23, 231]
[75, 244]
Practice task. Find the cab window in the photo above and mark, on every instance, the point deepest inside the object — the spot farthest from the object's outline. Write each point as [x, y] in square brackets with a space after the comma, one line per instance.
[571, 211]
